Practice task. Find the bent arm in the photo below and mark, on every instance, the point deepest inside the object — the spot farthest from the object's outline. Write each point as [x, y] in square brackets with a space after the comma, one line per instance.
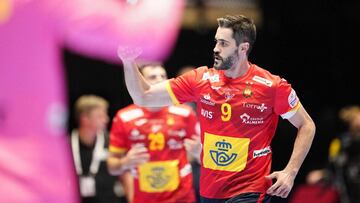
[142, 92]
[305, 135]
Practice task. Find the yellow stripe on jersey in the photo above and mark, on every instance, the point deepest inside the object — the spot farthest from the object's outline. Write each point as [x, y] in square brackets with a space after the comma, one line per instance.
[171, 93]
[292, 111]
[117, 150]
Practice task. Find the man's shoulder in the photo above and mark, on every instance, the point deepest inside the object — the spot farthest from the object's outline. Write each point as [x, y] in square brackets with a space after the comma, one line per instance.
[265, 77]
[129, 113]
[180, 110]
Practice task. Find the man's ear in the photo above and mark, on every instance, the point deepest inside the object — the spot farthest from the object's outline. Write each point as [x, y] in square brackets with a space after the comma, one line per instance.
[244, 47]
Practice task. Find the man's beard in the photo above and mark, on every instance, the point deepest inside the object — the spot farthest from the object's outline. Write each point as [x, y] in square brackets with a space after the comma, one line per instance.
[225, 63]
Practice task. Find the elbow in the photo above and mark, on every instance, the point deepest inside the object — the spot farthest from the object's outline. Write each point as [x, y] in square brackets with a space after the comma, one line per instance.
[312, 127]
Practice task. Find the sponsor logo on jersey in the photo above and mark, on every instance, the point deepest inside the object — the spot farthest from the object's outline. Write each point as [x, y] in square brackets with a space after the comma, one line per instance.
[179, 111]
[141, 122]
[174, 144]
[211, 78]
[131, 114]
[246, 119]
[247, 93]
[229, 93]
[206, 113]
[261, 107]
[225, 153]
[178, 133]
[293, 99]
[215, 87]
[135, 135]
[262, 152]
[262, 80]
[155, 128]
[206, 100]
[158, 179]
[220, 155]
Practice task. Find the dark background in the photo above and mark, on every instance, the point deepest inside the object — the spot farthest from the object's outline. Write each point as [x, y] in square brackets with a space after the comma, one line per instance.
[313, 44]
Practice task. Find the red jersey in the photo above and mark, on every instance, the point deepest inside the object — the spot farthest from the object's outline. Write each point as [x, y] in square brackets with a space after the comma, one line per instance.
[167, 176]
[238, 119]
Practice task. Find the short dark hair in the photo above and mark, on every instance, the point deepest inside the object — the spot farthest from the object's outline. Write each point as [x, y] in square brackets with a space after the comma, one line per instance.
[244, 29]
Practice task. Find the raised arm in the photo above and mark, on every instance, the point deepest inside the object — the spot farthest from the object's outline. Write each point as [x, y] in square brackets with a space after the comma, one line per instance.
[97, 28]
[142, 92]
[305, 135]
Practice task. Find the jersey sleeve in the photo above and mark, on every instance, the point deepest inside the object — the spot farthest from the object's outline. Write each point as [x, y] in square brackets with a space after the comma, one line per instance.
[286, 101]
[118, 139]
[183, 88]
[192, 121]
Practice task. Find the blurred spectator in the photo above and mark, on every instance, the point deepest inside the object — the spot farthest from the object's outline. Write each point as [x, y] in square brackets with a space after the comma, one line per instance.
[317, 189]
[35, 160]
[344, 155]
[89, 143]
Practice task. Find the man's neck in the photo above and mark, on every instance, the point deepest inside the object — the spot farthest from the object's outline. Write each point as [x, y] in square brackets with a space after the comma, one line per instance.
[238, 70]
[87, 136]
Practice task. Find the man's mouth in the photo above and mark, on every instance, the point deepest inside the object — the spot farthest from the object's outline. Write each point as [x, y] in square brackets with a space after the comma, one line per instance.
[217, 58]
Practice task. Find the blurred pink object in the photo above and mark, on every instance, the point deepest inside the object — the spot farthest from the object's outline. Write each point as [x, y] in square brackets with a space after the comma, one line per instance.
[35, 163]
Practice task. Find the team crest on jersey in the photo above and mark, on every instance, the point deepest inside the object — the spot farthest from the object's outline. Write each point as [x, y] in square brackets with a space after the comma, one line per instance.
[170, 121]
[247, 93]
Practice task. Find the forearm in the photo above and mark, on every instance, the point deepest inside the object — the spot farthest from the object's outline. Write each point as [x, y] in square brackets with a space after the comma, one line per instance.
[302, 146]
[135, 82]
[116, 165]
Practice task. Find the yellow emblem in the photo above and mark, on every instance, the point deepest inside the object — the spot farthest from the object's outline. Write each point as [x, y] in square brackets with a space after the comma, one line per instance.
[247, 92]
[170, 121]
[159, 176]
[225, 153]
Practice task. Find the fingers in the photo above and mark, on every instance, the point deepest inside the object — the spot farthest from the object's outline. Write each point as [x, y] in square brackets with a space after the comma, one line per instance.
[137, 155]
[282, 186]
[126, 53]
[271, 176]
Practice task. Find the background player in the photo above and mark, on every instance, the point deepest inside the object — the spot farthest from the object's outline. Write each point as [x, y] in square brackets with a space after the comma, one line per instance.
[151, 140]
